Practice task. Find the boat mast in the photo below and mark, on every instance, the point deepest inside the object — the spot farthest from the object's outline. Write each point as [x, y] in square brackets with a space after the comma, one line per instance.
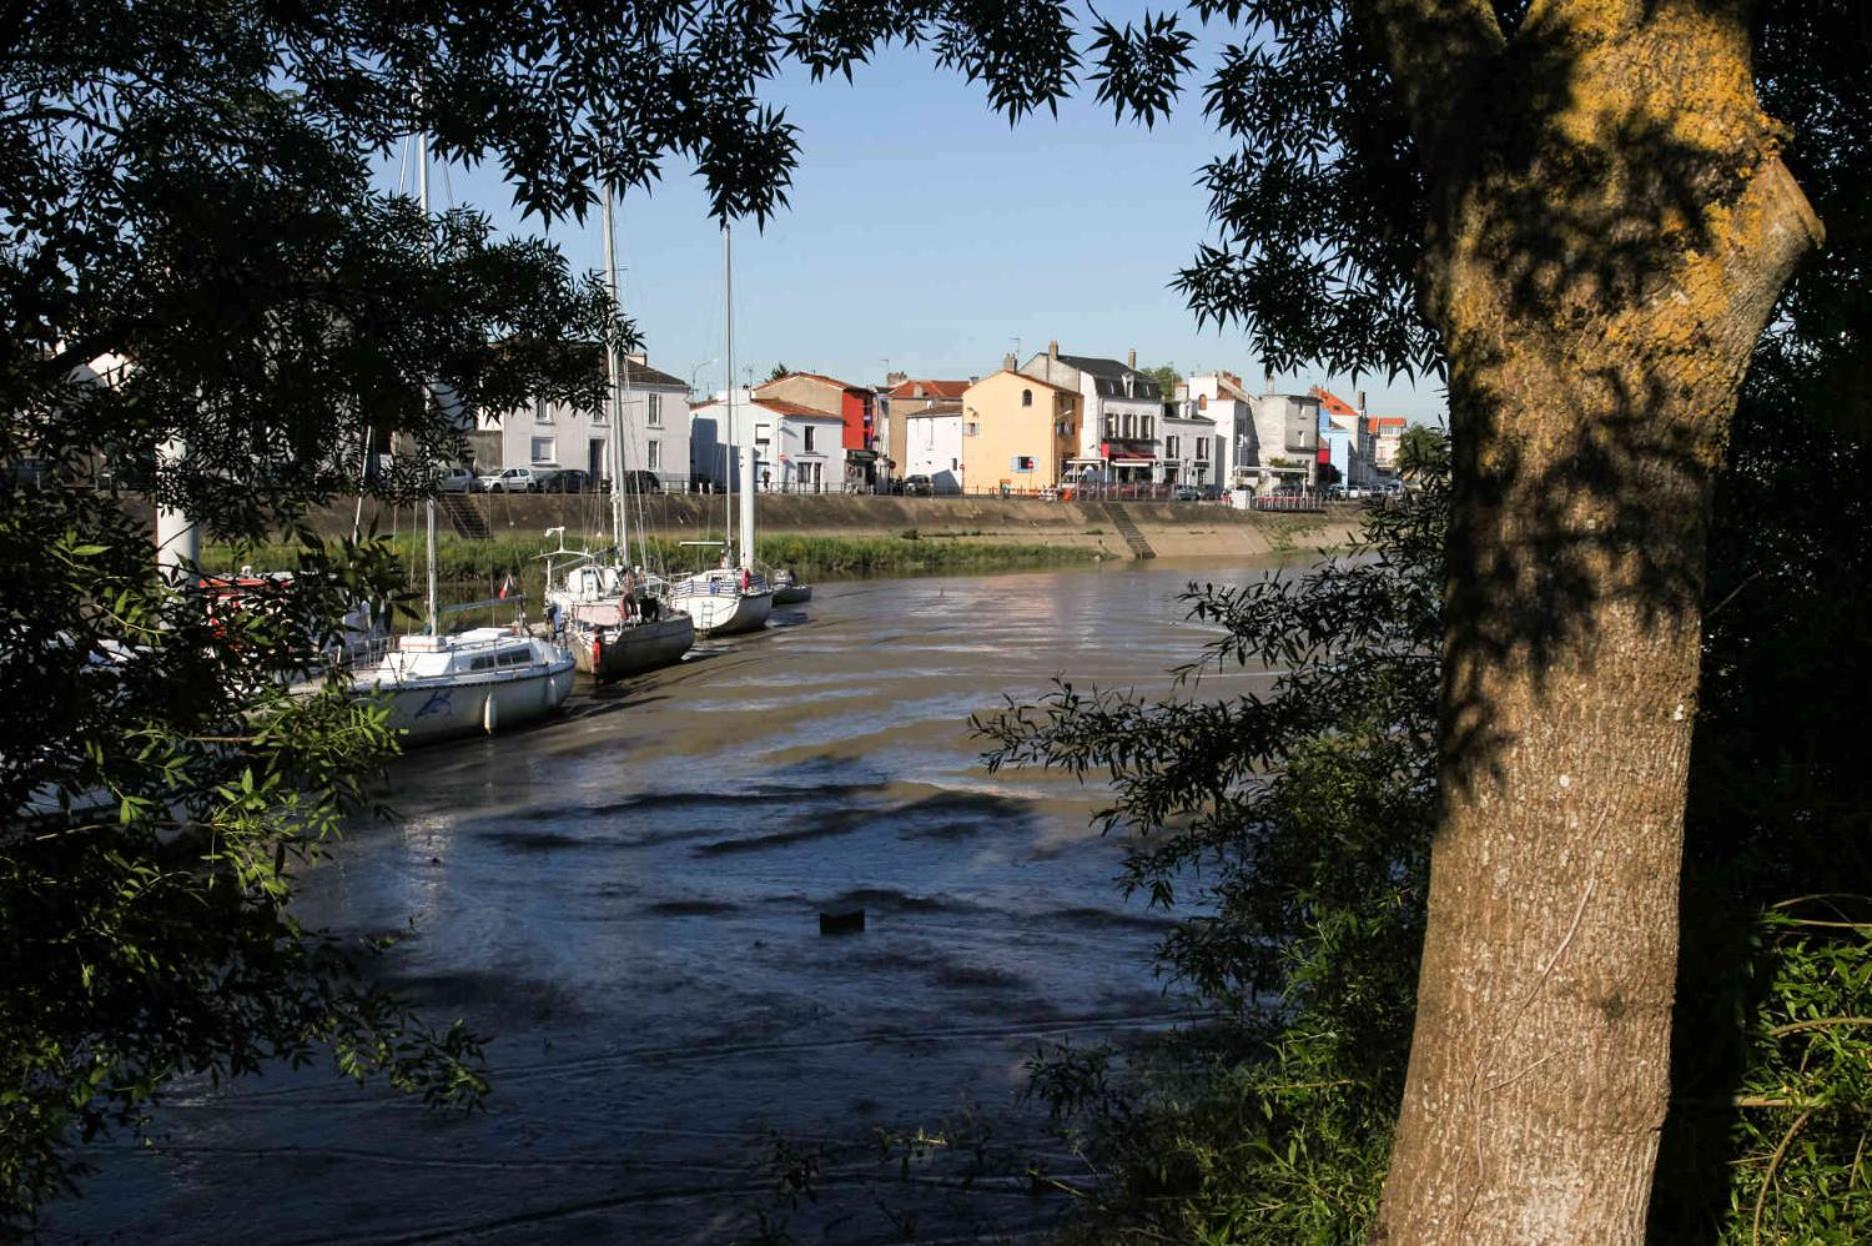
[429, 539]
[746, 444]
[727, 251]
[613, 397]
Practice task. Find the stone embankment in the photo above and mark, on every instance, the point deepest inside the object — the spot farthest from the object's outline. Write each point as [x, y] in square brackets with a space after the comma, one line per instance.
[1117, 529]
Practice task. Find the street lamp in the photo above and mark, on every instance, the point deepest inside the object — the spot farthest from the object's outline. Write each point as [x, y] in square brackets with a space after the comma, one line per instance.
[706, 363]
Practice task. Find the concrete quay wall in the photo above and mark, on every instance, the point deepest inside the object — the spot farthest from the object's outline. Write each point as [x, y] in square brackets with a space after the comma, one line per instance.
[1173, 529]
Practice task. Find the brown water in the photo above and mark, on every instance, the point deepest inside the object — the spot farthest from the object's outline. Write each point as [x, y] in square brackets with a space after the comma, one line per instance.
[626, 900]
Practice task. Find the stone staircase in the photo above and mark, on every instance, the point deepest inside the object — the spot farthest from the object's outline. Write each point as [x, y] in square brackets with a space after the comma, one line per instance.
[464, 515]
[1132, 534]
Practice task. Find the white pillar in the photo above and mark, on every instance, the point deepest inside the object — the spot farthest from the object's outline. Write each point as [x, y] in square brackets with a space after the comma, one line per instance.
[178, 540]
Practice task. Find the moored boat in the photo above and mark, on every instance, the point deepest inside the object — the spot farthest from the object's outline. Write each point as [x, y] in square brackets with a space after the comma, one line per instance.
[614, 627]
[723, 601]
[481, 680]
[787, 590]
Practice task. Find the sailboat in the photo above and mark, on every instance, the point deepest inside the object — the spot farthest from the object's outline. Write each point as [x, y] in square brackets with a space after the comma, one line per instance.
[438, 685]
[733, 597]
[615, 625]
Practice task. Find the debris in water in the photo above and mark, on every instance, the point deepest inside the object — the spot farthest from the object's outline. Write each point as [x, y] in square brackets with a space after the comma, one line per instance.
[842, 921]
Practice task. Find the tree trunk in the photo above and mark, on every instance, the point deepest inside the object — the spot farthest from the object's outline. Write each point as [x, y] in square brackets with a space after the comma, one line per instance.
[1603, 263]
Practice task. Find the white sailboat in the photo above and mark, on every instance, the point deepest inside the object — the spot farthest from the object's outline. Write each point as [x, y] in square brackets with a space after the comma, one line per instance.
[439, 685]
[733, 597]
[614, 624]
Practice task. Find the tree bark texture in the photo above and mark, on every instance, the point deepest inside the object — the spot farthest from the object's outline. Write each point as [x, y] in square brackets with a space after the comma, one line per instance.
[1613, 227]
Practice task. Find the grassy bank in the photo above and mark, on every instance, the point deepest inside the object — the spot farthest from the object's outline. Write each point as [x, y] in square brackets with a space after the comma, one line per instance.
[465, 564]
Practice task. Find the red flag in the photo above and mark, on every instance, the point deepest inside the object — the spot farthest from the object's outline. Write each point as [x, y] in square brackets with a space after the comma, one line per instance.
[506, 587]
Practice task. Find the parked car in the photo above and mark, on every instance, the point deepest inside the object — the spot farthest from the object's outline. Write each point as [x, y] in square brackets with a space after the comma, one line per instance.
[521, 480]
[918, 487]
[641, 481]
[1186, 493]
[456, 480]
[1214, 493]
[568, 480]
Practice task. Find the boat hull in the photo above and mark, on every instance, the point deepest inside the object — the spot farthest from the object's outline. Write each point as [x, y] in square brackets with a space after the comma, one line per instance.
[426, 710]
[608, 654]
[792, 595]
[726, 614]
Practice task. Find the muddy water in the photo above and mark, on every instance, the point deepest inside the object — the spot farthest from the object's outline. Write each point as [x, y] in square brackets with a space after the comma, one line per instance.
[627, 899]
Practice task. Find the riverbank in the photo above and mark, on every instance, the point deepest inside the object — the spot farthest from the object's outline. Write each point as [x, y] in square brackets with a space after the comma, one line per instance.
[464, 562]
[832, 536]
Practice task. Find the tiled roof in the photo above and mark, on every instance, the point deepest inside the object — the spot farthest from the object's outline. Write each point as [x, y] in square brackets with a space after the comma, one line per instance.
[1389, 421]
[931, 389]
[1334, 404]
[815, 376]
[780, 406]
[938, 408]
[1031, 380]
[643, 374]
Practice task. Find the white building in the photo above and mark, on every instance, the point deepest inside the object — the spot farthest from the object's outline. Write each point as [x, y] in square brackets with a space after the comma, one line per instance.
[933, 445]
[1188, 456]
[1122, 407]
[797, 449]
[655, 431]
[1223, 398]
[1262, 439]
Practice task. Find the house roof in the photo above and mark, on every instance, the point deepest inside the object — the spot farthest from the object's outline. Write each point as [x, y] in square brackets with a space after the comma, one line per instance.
[780, 406]
[1031, 380]
[1111, 370]
[643, 374]
[938, 408]
[931, 389]
[1389, 421]
[1334, 404]
[816, 376]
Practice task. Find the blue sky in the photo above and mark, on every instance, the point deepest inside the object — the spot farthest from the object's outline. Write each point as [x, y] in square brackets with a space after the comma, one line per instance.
[926, 231]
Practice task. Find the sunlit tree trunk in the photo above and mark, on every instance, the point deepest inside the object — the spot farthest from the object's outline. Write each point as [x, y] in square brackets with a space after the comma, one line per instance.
[1613, 229]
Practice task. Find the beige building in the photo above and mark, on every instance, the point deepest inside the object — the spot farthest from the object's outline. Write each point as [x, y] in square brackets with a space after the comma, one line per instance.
[1018, 432]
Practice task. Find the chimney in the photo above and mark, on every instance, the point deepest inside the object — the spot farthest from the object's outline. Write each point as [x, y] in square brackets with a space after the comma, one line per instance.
[1053, 351]
[1361, 402]
[916, 391]
[1131, 359]
[639, 357]
[1009, 363]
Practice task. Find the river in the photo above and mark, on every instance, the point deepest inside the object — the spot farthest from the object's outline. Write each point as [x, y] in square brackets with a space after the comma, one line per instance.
[626, 901]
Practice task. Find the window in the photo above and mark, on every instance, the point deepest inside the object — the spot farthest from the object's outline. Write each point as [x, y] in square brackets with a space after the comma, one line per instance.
[1026, 398]
[1144, 427]
[545, 449]
[1130, 425]
[542, 411]
[1202, 449]
[1170, 447]
[763, 433]
[974, 428]
[653, 455]
[1061, 428]
[1023, 463]
[810, 433]
[656, 411]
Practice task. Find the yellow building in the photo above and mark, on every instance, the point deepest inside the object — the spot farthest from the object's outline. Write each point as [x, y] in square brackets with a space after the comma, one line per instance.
[1017, 433]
